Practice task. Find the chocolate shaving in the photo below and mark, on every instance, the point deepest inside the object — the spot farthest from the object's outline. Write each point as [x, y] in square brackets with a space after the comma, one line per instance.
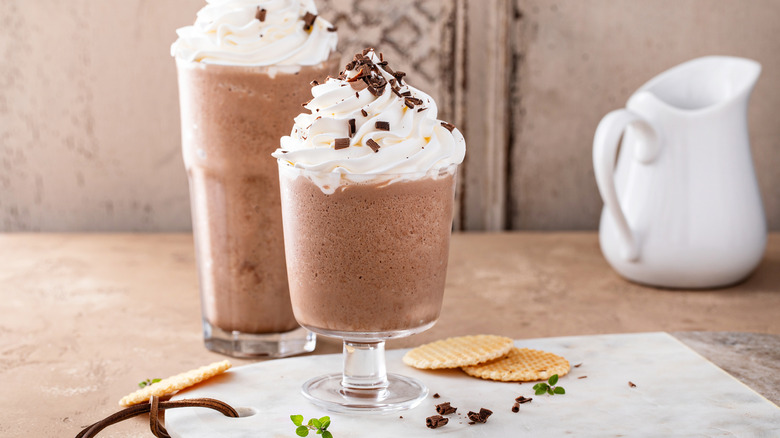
[435, 421]
[341, 143]
[352, 128]
[419, 110]
[382, 126]
[480, 417]
[412, 101]
[358, 85]
[632, 384]
[445, 409]
[522, 399]
[516, 407]
[449, 127]
[333, 28]
[582, 377]
[365, 114]
[578, 365]
[436, 395]
[260, 14]
[375, 147]
[314, 83]
[308, 20]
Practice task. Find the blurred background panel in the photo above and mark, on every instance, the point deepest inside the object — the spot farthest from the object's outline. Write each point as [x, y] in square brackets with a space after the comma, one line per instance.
[89, 124]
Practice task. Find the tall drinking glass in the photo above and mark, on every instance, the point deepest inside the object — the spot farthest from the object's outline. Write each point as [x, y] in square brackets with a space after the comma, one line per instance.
[232, 117]
[366, 260]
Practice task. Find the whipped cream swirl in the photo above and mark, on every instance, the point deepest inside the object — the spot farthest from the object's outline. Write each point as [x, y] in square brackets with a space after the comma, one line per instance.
[257, 33]
[369, 121]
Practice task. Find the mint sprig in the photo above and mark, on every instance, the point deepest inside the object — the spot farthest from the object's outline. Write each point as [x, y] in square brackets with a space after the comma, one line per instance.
[147, 382]
[320, 425]
[549, 387]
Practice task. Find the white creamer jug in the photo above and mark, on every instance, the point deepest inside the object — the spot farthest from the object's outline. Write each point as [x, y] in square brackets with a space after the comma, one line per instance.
[682, 208]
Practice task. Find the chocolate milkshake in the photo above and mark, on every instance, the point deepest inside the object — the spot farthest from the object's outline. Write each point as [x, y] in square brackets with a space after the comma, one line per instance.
[371, 258]
[244, 68]
[368, 182]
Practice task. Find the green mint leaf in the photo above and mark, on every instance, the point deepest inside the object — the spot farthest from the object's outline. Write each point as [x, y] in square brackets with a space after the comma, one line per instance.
[550, 391]
[326, 434]
[559, 390]
[155, 380]
[316, 423]
[142, 384]
[297, 419]
[302, 431]
[319, 431]
[325, 422]
[539, 385]
[553, 380]
[540, 391]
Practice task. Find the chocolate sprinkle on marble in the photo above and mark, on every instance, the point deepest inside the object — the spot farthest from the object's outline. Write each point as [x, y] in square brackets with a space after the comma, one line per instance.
[435, 421]
[480, 417]
[436, 395]
[260, 14]
[308, 20]
[382, 126]
[632, 384]
[375, 147]
[341, 143]
[523, 399]
[445, 409]
[516, 407]
[449, 126]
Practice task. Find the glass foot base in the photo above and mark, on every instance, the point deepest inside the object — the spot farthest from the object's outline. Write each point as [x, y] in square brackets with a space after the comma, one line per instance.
[402, 393]
[239, 344]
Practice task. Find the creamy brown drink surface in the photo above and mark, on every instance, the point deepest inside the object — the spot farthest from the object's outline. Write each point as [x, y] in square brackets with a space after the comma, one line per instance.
[371, 257]
[232, 119]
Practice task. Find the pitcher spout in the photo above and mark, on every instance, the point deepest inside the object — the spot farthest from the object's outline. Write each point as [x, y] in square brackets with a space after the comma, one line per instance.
[702, 84]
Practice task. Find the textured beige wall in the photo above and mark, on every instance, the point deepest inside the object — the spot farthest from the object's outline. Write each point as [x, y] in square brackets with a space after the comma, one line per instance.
[578, 60]
[89, 136]
[89, 128]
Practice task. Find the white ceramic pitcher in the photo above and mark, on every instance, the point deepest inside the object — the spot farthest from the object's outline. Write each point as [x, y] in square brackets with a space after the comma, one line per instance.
[682, 207]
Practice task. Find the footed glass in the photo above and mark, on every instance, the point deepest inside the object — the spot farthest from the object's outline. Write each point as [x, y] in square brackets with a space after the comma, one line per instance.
[366, 260]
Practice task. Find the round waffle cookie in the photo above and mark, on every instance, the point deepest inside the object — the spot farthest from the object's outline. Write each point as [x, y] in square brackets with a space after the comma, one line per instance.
[521, 365]
[175, 383]
[458, 352]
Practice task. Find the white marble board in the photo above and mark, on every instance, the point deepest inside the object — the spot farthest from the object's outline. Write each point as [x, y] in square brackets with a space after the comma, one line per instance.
[677, 393]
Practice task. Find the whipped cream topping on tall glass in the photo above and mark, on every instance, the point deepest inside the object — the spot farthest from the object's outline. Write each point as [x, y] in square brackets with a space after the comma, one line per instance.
[370, 121]
[257, 33]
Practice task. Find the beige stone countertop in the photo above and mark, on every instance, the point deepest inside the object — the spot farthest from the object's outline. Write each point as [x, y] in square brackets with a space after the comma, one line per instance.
[84, 317]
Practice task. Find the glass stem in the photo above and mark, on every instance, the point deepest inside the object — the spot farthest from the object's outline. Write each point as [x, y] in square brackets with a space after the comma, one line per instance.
[364, 366]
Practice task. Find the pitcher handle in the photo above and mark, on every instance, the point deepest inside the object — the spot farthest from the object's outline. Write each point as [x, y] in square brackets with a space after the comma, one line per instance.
[605, 146]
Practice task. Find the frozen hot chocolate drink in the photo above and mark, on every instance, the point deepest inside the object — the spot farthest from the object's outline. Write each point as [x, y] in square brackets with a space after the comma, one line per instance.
[368, 180]
[244, 67]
